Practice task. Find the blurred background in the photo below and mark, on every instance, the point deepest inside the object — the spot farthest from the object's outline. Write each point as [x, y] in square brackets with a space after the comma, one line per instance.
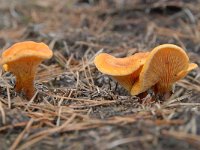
[108, 24]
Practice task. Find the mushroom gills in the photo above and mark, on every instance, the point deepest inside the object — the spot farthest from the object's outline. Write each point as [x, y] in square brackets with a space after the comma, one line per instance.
[127, 81]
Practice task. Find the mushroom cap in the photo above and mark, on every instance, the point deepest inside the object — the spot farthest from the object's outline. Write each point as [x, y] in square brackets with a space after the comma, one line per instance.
[25, 50]
[127, 81]
[165, 65]
[183, 73]
[113, 66]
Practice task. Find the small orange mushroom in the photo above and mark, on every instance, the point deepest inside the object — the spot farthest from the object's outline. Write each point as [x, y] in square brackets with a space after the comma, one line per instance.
[22, 59]
[123, 70]
[165, 65]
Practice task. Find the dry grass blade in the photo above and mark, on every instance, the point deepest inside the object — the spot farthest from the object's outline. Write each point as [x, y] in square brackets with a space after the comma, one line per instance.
[169, 122]
[9, 100]
[40, 135]
[188, 85]
[21, 124]
[30, 143]
[184, 104]
[191, 138]
[31, 101]
[119, 142]
[100, 101]
[176, 100]
[3, 115]
[20, 136]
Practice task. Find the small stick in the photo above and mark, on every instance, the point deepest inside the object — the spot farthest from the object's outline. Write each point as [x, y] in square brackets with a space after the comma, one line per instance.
[20, 136]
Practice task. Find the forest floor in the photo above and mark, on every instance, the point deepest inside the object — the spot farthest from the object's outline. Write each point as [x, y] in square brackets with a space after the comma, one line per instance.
[75, 106]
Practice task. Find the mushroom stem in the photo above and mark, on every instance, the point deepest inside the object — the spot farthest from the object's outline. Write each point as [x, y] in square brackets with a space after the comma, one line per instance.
[18, 85]
[142, 96]
[162, 92]
[25, 85]
[162, 88]
[24, 77]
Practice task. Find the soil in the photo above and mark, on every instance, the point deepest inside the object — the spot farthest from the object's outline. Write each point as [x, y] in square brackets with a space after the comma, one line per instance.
[77, 107]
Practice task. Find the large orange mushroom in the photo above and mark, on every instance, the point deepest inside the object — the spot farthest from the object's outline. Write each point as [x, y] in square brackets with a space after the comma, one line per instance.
[124, 70]
[22, 59]
[165, 65]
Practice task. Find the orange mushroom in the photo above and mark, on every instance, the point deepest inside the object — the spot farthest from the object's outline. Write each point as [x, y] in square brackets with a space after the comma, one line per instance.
[22, 59]
[124, 70]
[165, 65]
